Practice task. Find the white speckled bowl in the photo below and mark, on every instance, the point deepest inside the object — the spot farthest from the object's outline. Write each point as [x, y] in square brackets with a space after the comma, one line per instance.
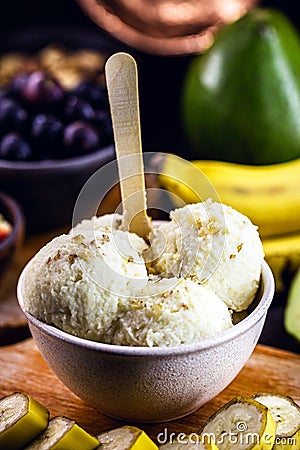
[151, 384]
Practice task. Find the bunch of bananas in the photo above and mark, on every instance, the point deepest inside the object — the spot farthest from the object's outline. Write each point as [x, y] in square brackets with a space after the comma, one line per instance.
[268, 194]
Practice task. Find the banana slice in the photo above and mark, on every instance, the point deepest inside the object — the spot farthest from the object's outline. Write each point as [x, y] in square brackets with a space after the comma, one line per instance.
[126, 438]
[21, 419]
[242, 423]
[286, 414]
[63, 433]
[191, 442]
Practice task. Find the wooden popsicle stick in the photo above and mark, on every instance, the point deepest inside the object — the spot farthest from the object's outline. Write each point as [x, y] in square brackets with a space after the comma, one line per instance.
[121, 79]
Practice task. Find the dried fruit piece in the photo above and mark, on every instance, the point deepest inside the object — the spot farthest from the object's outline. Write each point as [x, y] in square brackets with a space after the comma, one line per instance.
[5, 228]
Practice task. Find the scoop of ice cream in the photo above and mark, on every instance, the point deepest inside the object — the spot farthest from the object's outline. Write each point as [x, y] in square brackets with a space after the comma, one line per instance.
[77, 282]
[213, 244]
[96, 223]
[96, 282]
[170, 312]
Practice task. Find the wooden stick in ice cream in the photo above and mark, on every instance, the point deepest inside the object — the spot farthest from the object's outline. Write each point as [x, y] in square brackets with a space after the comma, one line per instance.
[121, 79]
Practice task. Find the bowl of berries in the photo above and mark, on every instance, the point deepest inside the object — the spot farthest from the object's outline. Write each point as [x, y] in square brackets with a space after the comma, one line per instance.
[11, 229]
[55, 129]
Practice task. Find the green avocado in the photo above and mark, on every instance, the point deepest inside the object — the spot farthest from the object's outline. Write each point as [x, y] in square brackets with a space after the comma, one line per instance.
[241, 99]
[292, 309]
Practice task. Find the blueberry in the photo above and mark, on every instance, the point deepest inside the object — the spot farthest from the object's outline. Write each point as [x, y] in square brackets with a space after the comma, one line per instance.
[80, 137]
[14, 147]
[3, 93]
[46, 136]
[18, 83]
[46, 126]
[92, 92]
[40, 88]
[76, 109]
[12, 115]
[102, 121]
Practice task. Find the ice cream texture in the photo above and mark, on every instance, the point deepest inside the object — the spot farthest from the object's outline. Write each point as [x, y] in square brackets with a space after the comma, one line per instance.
[215, 245]
[79, 282]
[102, 283]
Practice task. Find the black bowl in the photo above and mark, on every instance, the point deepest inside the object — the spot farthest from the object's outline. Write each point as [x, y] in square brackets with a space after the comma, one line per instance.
[47, 190]
[12, 212]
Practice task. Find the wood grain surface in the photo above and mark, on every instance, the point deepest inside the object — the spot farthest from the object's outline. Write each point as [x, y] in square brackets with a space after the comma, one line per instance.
[22, 368]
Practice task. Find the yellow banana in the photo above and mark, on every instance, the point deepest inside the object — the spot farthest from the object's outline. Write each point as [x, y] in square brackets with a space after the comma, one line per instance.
[283, 255]
[286, 415]
[21, 419]
[269, 195]
[126, 438]
[63, 433]
[241, 423]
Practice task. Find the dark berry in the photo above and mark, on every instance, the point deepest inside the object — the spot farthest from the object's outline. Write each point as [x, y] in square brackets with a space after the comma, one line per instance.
[42, 89]
[80, 137]
[76, 109]
[12, 115]
[3, 93]
[13, 147]
[18, 83]
[92, 92]
[47, 127]
[46, 133]
[102, 121]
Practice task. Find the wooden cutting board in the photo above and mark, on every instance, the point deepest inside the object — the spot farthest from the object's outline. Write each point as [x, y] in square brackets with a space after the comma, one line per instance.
[22, 368]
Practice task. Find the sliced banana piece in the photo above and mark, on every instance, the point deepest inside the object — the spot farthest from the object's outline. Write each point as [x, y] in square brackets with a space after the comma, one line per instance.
[63, 433]
[21, 419]
[286, 414]
[242, 424]
[126, 438]
[191, 442]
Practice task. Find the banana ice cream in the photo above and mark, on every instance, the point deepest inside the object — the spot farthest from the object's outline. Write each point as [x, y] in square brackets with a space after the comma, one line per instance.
[101, 283]
[96, 223]
[79, 282]
[212, 244]
[169, 312]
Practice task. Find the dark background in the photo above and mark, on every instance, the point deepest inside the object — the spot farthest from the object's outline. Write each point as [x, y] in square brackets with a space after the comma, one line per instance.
[160, 80]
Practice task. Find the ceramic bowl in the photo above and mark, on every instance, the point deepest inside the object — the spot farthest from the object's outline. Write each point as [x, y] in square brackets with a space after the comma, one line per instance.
[155, 384]
[12, 212]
